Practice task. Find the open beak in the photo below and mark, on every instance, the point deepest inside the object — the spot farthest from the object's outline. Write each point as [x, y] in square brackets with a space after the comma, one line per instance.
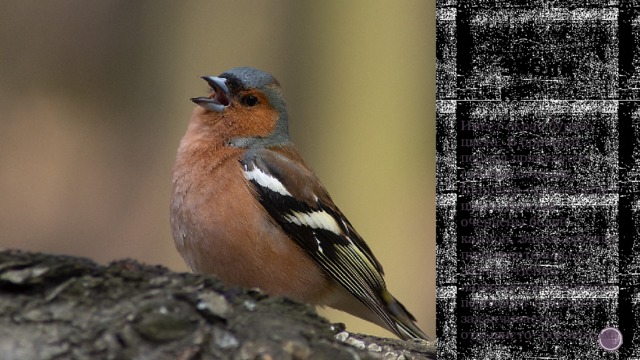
[220, 100]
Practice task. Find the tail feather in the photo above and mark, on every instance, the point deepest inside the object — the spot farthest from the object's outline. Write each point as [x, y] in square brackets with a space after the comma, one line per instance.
[387, 312]
[401, 321]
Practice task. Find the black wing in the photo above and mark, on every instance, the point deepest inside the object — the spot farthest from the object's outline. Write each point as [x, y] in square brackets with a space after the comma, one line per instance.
[295, 199]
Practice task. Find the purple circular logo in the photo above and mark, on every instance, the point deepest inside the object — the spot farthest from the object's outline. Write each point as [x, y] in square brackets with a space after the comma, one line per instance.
[610, 339]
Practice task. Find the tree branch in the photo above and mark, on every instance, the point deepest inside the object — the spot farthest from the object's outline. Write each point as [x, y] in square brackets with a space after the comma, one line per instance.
[54, 307]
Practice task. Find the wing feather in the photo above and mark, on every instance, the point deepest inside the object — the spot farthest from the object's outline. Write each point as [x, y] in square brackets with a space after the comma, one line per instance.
[294, 198]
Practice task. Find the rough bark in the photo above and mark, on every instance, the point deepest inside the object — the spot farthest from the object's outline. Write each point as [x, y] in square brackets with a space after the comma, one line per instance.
[59, 307]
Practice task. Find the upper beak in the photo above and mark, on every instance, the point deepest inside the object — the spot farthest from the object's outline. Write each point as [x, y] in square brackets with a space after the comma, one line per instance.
[221, 98]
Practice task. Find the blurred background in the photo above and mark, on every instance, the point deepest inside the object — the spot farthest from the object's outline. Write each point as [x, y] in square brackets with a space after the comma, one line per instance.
[94, 98]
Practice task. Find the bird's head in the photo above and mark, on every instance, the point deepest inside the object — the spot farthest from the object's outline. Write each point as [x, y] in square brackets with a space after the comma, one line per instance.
[245, 108]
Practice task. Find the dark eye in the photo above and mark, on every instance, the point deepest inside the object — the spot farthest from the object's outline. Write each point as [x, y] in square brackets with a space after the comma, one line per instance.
[250, 100]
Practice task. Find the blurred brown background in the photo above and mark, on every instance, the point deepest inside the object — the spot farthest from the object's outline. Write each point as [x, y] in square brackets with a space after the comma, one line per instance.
[94, 100]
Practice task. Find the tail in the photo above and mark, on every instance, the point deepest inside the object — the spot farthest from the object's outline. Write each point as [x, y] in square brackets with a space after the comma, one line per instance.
[399, 320]
[383, 310]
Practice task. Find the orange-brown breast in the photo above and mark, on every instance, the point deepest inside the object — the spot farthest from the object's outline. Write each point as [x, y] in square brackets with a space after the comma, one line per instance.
[220, 228]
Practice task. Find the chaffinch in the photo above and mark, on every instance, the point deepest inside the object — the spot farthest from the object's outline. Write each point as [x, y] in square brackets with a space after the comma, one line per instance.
[246, 208]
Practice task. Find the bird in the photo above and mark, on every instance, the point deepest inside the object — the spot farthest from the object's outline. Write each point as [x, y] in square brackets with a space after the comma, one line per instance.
[247, 208]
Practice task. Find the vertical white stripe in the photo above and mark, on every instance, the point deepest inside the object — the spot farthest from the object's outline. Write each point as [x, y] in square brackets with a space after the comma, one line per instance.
[266, 181]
